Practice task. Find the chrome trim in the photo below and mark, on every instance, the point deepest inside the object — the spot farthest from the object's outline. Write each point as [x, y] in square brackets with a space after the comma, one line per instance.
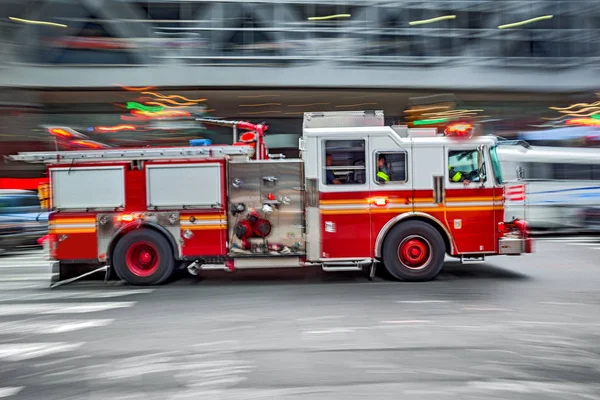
[346, 260]
[392, 222]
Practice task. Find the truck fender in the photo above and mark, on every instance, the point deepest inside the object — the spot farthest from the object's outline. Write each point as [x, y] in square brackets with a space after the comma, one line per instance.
[136, 225]
[419, 216]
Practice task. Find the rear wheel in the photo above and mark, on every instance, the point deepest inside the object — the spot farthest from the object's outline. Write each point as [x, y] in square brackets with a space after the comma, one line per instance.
[143, 257]
[414, 251]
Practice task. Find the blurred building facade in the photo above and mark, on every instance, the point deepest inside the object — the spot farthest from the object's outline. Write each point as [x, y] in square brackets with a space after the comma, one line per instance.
[78, 63]
[438, 45]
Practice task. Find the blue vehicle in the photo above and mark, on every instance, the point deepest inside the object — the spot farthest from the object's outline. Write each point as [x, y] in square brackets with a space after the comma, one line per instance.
[22, 219]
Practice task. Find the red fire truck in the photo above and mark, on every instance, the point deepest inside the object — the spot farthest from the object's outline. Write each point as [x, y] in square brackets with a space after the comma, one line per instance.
[143, 213]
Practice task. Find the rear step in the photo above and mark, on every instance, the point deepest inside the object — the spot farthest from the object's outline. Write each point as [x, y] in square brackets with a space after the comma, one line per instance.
[342, 267]
[472, 259]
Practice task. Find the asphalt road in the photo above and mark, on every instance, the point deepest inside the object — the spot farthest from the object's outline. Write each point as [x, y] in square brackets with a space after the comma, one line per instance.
[515, 327]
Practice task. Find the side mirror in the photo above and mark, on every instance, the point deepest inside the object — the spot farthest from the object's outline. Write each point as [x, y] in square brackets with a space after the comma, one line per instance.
[480, 158]
[520, 173]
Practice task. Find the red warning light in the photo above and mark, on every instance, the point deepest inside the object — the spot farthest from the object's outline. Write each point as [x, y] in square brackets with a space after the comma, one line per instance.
[271, 196]
[459, 129]
[248, 137]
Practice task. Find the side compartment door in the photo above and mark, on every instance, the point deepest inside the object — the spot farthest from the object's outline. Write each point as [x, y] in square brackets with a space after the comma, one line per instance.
[343, 198]
[470, 206]
[390, 183]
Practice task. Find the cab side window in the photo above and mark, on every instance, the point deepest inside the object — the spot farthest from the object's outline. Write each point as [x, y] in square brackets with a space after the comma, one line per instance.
[464, 165]
[344, 162]
[390, 167]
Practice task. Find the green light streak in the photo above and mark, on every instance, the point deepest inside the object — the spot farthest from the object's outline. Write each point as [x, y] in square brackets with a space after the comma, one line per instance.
[132, 105]
[430, 121]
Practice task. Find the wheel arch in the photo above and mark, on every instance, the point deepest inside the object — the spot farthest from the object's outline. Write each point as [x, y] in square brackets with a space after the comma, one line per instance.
[413, 216]
[145, 225]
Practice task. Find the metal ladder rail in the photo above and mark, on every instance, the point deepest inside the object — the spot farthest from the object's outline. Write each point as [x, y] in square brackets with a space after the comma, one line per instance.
[131, 154]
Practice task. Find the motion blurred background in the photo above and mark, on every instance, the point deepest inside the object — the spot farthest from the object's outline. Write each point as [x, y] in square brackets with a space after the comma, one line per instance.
[104, 73]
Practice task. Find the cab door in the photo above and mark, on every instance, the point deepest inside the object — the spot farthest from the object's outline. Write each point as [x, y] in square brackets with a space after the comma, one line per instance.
[389, 199]
[470, 207]
[343, 198]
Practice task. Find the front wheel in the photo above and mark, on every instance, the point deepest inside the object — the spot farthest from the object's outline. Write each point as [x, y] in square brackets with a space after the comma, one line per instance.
[413, 251]
[143, 257]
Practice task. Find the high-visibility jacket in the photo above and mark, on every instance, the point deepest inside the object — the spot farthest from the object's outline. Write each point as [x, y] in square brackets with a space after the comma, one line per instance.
[382, 175]
[455, 176]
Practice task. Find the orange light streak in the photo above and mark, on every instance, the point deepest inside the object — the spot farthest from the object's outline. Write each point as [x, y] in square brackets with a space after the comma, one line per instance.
[115, 128]
[173, 96]
[134, 89]
[87, 144]
[173, 102]
[60, 132]
[583, 121]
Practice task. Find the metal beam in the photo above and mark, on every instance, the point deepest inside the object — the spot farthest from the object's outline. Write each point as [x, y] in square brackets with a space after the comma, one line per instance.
[115, 13]
[447, 78]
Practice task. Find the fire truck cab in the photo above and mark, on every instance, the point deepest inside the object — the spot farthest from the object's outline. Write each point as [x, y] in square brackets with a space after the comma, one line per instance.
[361, 194]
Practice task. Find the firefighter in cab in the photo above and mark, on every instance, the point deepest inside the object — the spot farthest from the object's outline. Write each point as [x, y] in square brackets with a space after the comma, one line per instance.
[331, 179]
[383, 172]
[457, 176]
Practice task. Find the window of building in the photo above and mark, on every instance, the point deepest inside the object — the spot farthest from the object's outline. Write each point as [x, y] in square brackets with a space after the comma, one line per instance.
[464, 165]
[390, 167]
[344, 162]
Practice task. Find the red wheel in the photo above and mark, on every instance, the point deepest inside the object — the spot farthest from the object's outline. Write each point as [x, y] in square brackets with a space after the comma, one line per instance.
[413, 251]
[142, 259]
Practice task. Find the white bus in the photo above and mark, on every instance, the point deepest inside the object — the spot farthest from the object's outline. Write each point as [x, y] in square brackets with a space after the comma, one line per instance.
[560, 183]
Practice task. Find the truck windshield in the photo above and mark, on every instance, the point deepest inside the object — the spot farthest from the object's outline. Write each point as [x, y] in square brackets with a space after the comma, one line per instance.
[496, 166]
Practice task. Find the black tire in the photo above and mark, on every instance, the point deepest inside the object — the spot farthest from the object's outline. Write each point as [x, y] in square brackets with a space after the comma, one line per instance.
[413, 251]
[143, 257]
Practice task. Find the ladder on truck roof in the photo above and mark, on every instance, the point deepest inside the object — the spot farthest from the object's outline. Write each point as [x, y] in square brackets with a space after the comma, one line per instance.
[150, 153]
[343, 119]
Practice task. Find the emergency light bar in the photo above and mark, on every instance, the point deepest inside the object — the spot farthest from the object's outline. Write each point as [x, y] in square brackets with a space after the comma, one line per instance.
[459, 130]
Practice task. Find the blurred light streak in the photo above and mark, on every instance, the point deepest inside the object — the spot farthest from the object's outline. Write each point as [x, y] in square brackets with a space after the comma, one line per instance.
[260, 105]
[160, 114]
[583, 122]
[176, 103]
[576, 113]
[173, 96]
[115, 128]
[575, 105]
[31, 21]
[528, 21]
[453, 112]
[164, 105]
[356, 105]
[430, 121]
[88, 143]
[429, 21]
[328, 17]
[60, 132]
[134, 89]
[132, 105]
[429, 108]
[307, 105]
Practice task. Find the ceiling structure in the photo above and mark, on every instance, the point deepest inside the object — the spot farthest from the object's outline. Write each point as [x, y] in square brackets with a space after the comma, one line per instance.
[448, 44]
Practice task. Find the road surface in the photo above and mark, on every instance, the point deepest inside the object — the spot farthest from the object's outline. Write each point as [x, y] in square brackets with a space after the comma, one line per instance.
[517, 327]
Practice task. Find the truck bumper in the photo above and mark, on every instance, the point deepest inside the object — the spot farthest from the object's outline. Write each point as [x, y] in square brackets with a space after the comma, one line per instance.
[515, 246]
[55, 272]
